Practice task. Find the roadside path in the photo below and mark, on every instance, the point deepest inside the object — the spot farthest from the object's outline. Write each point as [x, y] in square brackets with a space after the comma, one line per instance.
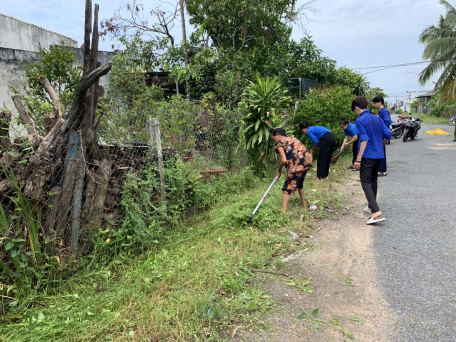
[415, 249]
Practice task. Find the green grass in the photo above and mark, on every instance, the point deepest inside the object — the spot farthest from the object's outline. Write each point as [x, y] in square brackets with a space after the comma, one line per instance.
[426, 118]
[195, 284]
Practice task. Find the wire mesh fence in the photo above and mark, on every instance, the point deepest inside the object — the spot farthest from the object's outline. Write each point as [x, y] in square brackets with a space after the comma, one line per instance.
[63, 182]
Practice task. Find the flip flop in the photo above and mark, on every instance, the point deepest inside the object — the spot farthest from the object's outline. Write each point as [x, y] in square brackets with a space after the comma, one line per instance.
[382, 174]
[375, 220]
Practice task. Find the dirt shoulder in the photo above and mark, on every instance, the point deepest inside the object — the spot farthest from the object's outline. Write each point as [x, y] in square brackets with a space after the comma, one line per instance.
[341, 265]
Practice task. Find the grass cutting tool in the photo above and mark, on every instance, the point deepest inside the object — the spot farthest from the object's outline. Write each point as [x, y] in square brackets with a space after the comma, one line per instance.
[262, 199]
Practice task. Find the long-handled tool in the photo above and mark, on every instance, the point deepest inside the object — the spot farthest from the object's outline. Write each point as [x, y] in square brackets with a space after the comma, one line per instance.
[336, 158]
[262, 199]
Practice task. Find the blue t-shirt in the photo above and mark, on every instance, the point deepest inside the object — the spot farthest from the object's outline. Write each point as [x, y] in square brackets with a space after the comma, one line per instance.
[316, 132]
[351, 130]
[372, 129]
[385, 116]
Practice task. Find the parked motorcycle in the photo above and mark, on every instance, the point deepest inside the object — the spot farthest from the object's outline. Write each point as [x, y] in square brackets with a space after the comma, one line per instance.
[402, 118]
[453, 121]
[397, 129]
[411, 128]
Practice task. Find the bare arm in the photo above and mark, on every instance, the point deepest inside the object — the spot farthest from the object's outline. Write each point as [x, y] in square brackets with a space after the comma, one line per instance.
[355, 139]
[283, 161]
[362, 148]
[314, 148]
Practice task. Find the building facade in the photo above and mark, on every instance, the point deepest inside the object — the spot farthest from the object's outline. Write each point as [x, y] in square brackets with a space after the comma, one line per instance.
[19, 44]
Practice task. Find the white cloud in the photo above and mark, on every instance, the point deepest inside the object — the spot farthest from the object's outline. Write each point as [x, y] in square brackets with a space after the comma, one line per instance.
[356, 33]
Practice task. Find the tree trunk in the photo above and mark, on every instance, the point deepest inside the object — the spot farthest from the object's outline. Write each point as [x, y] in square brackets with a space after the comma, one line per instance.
[87, 32]
[73, 166]
[184, 36]
[104, 174]
[86, 82]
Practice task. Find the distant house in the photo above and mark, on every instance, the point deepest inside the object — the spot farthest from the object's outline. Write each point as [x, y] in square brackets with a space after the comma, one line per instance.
[411, 96]
[19, 42]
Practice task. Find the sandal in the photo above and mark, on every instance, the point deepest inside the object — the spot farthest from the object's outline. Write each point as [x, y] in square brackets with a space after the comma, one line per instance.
[382, 174]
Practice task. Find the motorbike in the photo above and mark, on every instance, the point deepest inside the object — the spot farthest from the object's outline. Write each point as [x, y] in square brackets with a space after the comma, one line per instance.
[402, 118]
[397, 129]
[453, 121]
[411, 128]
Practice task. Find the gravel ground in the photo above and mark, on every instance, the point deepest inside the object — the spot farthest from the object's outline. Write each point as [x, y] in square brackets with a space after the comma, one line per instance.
[416, 247]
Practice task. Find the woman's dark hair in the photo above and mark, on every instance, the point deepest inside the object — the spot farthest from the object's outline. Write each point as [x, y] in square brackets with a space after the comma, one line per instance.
[343, 121]
[304, 125]
[279, 131]
[378, 99]
[359, 101]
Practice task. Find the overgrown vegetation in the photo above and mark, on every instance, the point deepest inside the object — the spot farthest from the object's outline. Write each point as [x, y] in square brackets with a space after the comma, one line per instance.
[193, 282]
[325, 106]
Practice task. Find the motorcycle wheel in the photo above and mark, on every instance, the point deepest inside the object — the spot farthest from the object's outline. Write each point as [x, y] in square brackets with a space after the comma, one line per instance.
[452, 123]
[406, 136]
[397, 134]
[413, 135]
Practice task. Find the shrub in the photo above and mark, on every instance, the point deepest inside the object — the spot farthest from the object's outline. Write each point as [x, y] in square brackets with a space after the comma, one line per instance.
[325, 106]
[260, 103]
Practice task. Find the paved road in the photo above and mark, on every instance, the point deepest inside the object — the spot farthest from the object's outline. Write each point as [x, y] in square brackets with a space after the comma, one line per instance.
[416, 247]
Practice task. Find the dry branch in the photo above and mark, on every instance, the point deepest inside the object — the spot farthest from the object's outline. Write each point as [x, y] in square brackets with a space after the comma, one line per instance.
[54, 98]
[27, 120]
[5, 119]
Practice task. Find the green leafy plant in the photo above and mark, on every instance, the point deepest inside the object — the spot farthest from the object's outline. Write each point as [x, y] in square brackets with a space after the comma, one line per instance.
[58, 65]
[25, 266]
[262, 102]
[318, 322]
[439, 41]
[325, 106]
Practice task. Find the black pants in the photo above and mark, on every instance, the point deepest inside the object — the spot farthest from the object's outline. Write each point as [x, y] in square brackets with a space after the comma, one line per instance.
[355, 152]
[327, 147]
[368, 175]
[383, 165]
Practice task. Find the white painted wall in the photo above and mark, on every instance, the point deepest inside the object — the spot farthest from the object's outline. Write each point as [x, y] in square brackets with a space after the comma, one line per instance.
[19, 35]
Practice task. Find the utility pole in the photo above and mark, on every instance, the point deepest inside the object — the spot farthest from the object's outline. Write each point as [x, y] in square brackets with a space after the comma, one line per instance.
[184, 35]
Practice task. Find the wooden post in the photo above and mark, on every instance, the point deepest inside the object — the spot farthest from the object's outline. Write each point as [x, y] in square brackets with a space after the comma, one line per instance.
[155, 137]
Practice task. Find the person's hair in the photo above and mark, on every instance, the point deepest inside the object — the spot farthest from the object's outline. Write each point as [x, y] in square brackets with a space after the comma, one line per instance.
[279, 131]
[378, 99]
[343, 121]
[304, 125]
[359, 101]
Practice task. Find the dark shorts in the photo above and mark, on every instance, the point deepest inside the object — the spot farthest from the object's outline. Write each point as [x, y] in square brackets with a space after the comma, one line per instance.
[294, 181]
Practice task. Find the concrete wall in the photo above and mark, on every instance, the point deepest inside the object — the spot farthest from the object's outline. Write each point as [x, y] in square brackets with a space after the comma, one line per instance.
[19, 35]
[12, 71]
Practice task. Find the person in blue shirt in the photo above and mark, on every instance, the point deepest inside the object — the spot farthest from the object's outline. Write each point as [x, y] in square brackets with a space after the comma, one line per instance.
[323, 138]
[372, 136]
[383, 114]
[350, 131]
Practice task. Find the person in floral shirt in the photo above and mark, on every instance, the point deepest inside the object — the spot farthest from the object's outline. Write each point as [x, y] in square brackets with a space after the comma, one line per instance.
[297, 158]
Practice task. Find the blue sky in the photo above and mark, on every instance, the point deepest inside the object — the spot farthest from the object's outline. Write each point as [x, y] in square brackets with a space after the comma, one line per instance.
[356, 33]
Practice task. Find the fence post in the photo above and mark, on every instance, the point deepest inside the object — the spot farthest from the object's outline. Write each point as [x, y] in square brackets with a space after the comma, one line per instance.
[155, 137]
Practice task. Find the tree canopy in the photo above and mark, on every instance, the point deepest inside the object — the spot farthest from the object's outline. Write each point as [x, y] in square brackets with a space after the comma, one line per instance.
[440, 48]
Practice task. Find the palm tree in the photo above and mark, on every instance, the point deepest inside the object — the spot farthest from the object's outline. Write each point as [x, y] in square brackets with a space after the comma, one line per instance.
[440, 48]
